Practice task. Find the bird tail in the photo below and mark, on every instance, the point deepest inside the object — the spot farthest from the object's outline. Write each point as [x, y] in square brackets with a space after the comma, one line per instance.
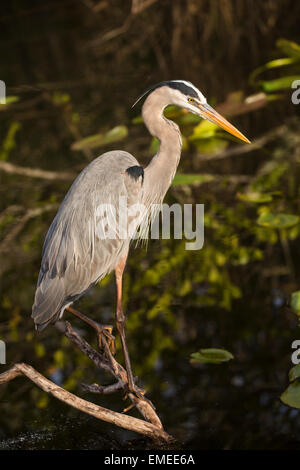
[49, 302]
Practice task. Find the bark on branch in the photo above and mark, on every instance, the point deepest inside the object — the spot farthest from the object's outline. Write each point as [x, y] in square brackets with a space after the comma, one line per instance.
[113, 417]
[151, 428]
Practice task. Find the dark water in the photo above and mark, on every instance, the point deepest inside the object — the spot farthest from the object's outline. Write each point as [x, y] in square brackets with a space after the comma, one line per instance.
[232, 294]
[228, 406]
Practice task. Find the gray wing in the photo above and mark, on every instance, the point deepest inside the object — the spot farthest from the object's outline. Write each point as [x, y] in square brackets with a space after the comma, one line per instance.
[75, 254]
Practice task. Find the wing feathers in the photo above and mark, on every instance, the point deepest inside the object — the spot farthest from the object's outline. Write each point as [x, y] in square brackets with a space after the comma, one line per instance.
[74, 257]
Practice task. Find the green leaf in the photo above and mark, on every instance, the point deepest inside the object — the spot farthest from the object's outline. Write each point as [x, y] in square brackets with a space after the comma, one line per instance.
[273, 64]
[211, 146]
[277, 221]
[188, 119]
[60, 98]
[277, 84]
[98, 140]
[212, 356]
[183, 179]
[10, 141]
[294, 373]
[172, 111]
[291, 396]
[255, 197]
[11, 99]
[204, 130]
[295, 301]
[292, 49]
[137, 120]
[154, 146]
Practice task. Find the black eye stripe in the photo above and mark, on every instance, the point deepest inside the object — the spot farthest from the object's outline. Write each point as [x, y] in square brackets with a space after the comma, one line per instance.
[185, 89]
[180, 86]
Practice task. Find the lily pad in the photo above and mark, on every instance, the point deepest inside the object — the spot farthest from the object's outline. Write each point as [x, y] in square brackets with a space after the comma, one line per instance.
[291, 396]
[255, 197]
[294, 373]
[277, 221]
[211, 356]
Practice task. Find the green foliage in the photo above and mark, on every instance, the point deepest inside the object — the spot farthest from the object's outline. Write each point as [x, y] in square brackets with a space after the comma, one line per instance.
[182, 179]
[59, 98]
[9, 142]
[290, 48]
[291, 396]
[11, 100]
[98, 140]
[288, 66]
[295, 301]
[255, 197]
[277, 221]
[294, 373]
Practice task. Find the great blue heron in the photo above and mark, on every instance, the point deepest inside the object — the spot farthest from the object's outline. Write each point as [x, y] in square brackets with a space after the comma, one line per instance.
[75, 256]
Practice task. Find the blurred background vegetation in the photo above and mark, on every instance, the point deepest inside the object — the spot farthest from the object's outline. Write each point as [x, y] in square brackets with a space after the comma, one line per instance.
[73, 69]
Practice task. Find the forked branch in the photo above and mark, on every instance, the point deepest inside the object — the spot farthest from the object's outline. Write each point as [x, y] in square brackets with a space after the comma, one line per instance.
[151, 428]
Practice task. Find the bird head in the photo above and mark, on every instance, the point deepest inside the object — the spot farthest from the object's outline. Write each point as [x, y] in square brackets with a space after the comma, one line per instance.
[186, 95]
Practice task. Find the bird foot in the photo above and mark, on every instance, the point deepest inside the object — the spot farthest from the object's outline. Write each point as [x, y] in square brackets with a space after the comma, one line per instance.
[139, 393]
[104, 333]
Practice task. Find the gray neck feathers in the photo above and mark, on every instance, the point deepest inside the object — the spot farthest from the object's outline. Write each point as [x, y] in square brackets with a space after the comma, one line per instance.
[162, 168]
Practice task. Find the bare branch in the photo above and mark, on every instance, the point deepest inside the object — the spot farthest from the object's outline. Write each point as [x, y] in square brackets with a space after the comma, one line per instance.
[113, 417]
[103, 390]
[111, 366]
[35, 172]
[242, 149]
[31, 213]
[138, 6]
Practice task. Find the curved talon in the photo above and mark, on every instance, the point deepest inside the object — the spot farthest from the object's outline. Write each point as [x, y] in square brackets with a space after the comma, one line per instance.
[106, 332]
[139, 393]
[129, 408]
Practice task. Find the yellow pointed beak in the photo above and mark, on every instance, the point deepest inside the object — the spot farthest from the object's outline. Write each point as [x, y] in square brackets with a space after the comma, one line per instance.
[207, 112]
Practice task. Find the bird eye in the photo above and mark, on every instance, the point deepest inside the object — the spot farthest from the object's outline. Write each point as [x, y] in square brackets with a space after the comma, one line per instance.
[191, 100]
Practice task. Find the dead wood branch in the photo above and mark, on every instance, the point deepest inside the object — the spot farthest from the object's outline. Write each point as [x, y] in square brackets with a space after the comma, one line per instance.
[35, 172]
[138, 6]
[95, 388]
[150, 427]
[113, 417]
[21, 221]
[111, 366]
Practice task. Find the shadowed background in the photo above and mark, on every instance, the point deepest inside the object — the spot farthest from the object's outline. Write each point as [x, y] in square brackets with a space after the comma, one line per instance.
[73, 69]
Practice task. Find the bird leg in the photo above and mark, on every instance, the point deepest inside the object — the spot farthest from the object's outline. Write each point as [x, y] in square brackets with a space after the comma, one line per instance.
[120, 322]
[103, 331]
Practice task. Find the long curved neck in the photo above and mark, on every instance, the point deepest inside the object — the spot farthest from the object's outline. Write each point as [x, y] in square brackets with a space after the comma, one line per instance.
[162, 168]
